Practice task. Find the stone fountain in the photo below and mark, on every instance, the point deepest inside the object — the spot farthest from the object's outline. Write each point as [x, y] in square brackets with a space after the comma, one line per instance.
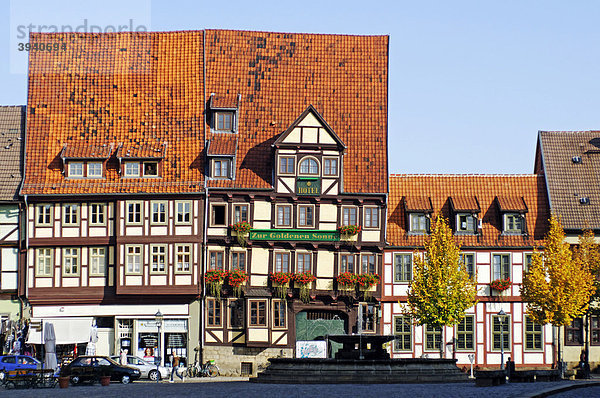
[361, 360]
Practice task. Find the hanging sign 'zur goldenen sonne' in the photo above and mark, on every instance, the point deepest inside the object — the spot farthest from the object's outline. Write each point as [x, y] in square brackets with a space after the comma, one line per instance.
[293, 234]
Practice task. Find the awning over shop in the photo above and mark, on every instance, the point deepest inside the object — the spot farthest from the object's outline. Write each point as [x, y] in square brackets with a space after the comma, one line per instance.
[67, 330]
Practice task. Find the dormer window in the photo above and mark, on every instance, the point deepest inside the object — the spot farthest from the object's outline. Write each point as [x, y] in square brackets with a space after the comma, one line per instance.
[224, 121]
[94, 169]
[75, 169]
[132, 169]
[419, 223]
[513, 223]
[466, 222]
[309, 166]
[150, 169]
[286, 165]
[221, 168]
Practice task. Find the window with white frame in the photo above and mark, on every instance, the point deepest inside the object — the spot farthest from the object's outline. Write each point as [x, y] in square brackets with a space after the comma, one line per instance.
[238, 261]
[465, 333]
[258, 312]
[183, 210]
[75, 169]
[94, 169]
[133, 259]
[527, 257]
[303, 261]
[240, 213]
[213, 312]
[330, 167]
[221, 168]
[347, 263]
[306, 218]
[403, 333]
[501, 266]
[369, 265]
[468, 260]
[133, 212]
[158, 212]
[71, 261]
[43, 214]
[71, 214]
[367, 317]
[224, 120]
[402, 267]
[466, 223]
[371, 217]
[279, 314]
[286, 165]
[132, 169]
[97, 213]
[216, 261]
[97, 260]
[183, 255]
[501, 332]
[284, 215]
[513, 223]
[349, 216]
[158, 258]
[309, 166]
[218, 215]
[282, 262]
[533, 334]
[43, 262]
[150, 169]
[419, 223]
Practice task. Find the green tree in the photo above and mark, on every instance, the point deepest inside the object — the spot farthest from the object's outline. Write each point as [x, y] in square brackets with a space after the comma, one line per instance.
[441, 289]
[558, 285]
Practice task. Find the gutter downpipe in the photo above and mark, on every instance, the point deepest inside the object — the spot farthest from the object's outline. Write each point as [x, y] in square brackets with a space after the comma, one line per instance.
[204, 222]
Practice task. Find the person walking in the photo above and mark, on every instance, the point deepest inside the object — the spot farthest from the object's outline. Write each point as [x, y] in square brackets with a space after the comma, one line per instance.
[175, 369]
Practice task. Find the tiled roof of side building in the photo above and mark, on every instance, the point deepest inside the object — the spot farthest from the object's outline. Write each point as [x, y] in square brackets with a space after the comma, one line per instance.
[12, 123]
[440, 188]
[571, 166]
[147, 89]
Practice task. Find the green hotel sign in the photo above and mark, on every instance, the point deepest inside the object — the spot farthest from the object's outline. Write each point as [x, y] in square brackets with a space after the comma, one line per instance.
[308, 187]
[294, 234]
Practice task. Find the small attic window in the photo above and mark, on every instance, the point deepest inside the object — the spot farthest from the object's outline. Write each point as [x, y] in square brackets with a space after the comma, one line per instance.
[584, 200]
[224, 121]
[150, 169]
[576, 159]
[513, 223]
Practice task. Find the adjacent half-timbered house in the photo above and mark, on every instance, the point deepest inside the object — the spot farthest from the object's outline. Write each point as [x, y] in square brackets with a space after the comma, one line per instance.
[12, 126]
[296, 147]
[498, 220]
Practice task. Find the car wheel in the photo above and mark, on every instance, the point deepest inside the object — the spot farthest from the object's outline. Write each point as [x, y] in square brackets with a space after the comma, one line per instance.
[125, 379]
[153, 375]
[75, 380]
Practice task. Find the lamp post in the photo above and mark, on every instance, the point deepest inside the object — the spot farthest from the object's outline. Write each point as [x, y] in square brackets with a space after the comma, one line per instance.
[501, 318]
[158, 317]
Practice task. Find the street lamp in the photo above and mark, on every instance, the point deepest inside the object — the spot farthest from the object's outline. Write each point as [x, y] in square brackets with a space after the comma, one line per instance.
[158, 317]
[501, 318]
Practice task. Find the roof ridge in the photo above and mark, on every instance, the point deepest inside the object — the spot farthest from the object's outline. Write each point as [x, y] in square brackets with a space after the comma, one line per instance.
[464, 175]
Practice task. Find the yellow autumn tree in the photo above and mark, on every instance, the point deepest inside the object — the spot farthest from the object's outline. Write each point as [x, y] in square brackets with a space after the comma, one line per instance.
[588, 252]
[441, 289]
[558, 285]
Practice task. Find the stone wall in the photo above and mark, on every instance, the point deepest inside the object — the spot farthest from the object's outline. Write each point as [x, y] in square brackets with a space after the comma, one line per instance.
[229, 359]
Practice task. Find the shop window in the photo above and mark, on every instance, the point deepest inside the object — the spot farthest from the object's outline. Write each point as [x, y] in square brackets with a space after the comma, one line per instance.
[402, 267]
[465, 333]
[258, 313]
[218, 213]
[279, 314]
[403, 333]
[213, 312]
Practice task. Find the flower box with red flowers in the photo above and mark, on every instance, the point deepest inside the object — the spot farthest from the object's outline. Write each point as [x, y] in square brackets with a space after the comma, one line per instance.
[304, 278]
[281, 278]
[346, 279]
[241, 227]
[366, 281]
[349, 230]
[215, 276]
[237, 278]
[500, 284]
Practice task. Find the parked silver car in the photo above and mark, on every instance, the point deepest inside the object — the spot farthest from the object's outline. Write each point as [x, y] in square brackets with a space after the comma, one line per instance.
[148, 369]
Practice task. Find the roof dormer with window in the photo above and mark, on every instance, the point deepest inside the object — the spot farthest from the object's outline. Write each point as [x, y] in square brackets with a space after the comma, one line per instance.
[223, 113]
[512, 211]
[221, 156]
[418, 214]
[465, 210]
[141, 161]
[85, 161]
[308, 157]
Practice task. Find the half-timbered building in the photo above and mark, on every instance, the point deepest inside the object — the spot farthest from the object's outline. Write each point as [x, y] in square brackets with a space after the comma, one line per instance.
[498, 220]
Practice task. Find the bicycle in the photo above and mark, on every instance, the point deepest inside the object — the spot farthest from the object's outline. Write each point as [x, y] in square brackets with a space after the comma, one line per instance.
[209, 369]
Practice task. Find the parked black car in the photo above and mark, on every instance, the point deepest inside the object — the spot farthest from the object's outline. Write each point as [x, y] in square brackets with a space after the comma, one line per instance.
[91, 368]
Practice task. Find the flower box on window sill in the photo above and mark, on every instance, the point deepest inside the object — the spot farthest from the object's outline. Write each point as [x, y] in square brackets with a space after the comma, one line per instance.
[214, 282]
[304, 280]
[281, 281]
[346, 281]
[500, 285]
[236, 279]
[349, 232]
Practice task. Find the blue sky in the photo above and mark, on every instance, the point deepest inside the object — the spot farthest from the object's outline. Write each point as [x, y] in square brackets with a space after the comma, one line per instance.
[470, 82]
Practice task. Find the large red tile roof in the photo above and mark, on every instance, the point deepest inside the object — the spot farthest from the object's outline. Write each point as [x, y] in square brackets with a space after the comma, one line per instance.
[12, 128]
[440, 188]
[147, 90]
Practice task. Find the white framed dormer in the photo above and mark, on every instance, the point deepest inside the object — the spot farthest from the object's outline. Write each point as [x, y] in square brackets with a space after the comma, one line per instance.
[513, 223]
[419, 223]
[223, 113]
[466, 223]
